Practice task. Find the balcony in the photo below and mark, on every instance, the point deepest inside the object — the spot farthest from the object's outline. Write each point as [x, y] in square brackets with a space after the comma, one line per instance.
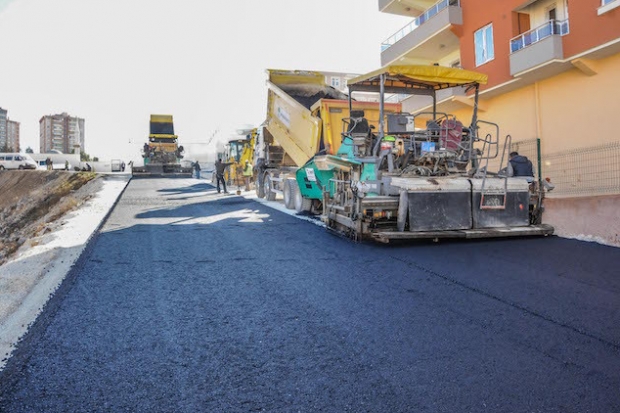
[405, 7]
[428, 37]
[538, 47]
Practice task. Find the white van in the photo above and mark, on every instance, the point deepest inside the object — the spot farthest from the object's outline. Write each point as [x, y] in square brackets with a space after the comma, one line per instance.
[16, 161]
[55, 166]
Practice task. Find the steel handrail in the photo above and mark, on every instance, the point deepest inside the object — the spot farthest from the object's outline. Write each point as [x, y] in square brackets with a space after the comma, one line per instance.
[550, 28]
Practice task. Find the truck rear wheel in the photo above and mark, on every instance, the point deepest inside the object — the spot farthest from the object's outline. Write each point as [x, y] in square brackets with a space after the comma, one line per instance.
[289, 193]
[259, 186]
[301, 204]
[268, 186]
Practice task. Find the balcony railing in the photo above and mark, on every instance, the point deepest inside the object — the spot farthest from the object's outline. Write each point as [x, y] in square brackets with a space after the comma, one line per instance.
[418, 21]
[541, 32]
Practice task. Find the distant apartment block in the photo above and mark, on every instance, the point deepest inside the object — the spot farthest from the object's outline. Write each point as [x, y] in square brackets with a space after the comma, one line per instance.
[3, 128]
[338, 80]
[12, 135]
[61, 132]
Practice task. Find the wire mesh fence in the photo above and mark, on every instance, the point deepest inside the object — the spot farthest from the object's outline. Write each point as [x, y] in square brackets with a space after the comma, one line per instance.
[586, 171]
[579, 172]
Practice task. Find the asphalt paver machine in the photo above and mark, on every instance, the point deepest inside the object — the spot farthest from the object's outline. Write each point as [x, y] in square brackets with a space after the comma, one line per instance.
[423, 175]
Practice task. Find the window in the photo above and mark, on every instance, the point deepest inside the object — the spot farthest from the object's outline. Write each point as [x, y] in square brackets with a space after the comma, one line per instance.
[336, 82]
[608, 5]
[483, 40]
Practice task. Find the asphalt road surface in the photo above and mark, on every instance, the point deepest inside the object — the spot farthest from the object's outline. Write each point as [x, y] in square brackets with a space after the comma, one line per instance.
[191, 301]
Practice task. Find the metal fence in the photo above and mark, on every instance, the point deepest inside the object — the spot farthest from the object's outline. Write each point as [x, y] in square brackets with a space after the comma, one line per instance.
[579, 172]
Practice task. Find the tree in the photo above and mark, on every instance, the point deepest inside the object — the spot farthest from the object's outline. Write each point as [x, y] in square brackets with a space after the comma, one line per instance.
[84, 157]
[29, 150]
[95, 159]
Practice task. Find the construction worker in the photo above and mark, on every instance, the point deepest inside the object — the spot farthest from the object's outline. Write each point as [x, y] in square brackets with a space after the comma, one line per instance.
[197, 169]
[519, 165]
[220, 168]
[247, 174]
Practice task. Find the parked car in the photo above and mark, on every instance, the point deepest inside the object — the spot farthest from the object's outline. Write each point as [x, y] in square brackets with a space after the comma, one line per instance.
[16, 161]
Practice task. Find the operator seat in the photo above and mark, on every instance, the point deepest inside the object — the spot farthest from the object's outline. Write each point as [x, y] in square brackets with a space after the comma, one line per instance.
[359, 124]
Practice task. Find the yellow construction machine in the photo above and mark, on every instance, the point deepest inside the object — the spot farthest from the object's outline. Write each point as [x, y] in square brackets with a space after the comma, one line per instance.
[236, 152]
[162, 153]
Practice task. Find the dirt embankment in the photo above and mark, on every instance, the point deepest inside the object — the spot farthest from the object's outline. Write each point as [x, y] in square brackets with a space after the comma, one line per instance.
[31, 203]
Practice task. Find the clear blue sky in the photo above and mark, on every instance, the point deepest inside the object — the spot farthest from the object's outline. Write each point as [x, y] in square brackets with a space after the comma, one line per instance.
[115, 62]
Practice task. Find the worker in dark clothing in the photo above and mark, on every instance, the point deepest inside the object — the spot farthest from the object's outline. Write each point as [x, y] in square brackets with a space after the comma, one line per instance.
[220, 167]
[519, 165]
[196, 166]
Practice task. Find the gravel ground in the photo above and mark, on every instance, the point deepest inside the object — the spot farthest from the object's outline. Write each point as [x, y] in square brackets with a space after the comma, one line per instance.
[192, 301]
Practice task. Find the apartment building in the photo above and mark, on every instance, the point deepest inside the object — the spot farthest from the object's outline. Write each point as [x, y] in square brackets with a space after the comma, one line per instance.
[12, 135]
[338, 80]
[552, 68]
[61, 132]
[3, 128]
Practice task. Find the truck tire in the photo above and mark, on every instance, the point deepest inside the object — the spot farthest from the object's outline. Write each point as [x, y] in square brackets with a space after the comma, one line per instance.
[259, 186]
[301, 204]
[289, 193]
[268, 186]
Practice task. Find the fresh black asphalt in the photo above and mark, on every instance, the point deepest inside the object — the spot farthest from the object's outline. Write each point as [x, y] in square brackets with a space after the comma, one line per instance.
[191, 301]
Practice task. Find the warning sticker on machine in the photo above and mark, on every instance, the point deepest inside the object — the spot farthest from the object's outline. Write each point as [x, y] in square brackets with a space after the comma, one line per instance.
[310, 174]
[283, 115]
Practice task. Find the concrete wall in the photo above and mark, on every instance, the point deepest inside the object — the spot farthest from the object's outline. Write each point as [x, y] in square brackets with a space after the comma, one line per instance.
[594, 219]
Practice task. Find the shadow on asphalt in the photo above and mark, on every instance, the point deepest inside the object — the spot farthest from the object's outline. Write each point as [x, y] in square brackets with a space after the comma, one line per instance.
[188, 189]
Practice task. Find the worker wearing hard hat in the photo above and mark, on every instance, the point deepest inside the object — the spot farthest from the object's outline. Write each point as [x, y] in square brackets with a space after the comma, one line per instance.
[247, 174]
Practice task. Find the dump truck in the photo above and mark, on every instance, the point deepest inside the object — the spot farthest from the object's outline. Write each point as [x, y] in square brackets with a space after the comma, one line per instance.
[162, 153]
[305, 117]
[422, 175]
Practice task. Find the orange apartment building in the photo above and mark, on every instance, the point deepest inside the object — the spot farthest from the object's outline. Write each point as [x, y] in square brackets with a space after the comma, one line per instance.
[554, 77]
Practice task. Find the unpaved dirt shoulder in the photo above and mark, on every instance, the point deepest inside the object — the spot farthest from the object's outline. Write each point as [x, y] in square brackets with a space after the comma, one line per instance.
[33, 203]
